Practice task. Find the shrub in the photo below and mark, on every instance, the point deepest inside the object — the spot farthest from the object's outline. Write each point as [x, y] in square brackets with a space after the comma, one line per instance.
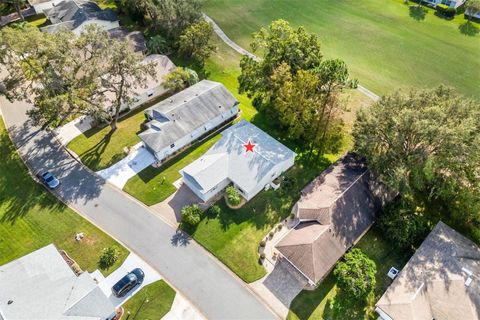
[214, 210]
[279, 226]
[356, 274]
[402, 223]
[233, 196]
[445, 10]
[271, 234]
[262, 255]
[191, 214]
[157, 44]
[263, 243]
[292, 216]
[108, 258]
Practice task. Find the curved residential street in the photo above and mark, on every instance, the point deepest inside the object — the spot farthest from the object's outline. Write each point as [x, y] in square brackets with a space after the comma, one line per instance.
[186, 265]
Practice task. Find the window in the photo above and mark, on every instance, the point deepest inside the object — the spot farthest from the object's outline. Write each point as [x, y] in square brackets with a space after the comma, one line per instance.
[172, 145]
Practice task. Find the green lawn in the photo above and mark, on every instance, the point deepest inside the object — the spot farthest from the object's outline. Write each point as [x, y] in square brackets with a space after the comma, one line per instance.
[234, 235]
[149, 187]
[99, 148]
[382, 44]
[152, 302]
[327, 302]
[30, 217]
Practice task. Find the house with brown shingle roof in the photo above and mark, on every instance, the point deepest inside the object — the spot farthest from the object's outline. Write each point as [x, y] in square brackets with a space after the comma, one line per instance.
[334, 212]
[441, 281]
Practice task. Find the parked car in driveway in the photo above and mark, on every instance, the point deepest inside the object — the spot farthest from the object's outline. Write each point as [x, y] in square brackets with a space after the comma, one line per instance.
[128, 282]
[48, 179]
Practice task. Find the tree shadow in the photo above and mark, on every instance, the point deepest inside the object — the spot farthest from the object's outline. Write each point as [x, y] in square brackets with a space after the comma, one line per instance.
[306, 302]
[468, 29]
[342, 306]
[92, 157]
[180, 238]
[417, 12]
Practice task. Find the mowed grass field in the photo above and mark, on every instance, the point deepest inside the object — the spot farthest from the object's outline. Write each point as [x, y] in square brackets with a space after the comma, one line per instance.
[31, 217]
[382, 44]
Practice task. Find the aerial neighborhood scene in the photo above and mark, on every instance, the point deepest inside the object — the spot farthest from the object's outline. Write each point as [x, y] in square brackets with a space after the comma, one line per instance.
[239, 159]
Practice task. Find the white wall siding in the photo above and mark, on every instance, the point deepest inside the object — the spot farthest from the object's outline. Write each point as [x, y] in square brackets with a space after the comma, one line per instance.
[272, 175]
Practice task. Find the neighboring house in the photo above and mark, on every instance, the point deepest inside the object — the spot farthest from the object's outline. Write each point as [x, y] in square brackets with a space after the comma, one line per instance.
[135, 38]
[41, 5]
[153, 88]
[75, 15]
[451, 3]
[335, 211]
[41, 285]
[176, 122]
[468, 14]
[227, 162]
[441, 281]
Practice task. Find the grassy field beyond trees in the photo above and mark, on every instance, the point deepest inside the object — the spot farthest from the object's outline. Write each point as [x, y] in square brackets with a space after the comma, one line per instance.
[383, 46]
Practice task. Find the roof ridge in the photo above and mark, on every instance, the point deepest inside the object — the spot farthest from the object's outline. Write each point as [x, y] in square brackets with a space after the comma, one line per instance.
[261, 155]
[171, 99]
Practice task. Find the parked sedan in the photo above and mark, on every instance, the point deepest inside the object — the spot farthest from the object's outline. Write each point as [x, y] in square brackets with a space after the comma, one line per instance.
[127, 283]
[49, 180]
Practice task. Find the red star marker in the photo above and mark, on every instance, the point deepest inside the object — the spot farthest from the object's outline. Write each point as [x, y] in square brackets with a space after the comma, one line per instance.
[249, 146]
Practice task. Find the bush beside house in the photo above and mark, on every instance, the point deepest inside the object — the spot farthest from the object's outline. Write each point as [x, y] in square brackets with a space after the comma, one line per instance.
[233, 197]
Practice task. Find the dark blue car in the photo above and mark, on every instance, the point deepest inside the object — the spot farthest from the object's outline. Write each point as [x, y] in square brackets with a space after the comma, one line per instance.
[128, 282]
[49, 180]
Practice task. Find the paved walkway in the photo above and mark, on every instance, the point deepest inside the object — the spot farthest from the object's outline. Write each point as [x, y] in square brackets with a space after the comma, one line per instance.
[119, 173]
[242, 51]
[209, 285]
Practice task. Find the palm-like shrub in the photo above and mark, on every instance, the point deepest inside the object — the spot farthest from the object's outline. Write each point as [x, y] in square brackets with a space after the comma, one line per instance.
[233, 197]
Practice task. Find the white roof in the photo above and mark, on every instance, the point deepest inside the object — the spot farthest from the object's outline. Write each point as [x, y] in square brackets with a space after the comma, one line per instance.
[41, 285]
[228, 159]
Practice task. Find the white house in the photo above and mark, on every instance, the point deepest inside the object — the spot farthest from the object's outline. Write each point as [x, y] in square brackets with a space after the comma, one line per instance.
[451, 3]
[229, 162]
[183, 118]
[41, 5]
[41, 285]
[75, 15]
[153, 88]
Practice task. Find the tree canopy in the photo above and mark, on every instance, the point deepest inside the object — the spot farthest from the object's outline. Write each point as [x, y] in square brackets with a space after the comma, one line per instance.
[295, 87]
[195, 41]
[425, 143]
[66, 76]
[171, 17]
[356, 274]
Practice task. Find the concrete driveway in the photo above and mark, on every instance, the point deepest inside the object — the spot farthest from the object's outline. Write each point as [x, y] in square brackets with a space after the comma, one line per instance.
[216, 291]
[133, 261]
[73, 129]
[170, 209]
[119, 173]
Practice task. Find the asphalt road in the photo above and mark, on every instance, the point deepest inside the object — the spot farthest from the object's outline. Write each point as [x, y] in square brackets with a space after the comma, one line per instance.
[185, 264]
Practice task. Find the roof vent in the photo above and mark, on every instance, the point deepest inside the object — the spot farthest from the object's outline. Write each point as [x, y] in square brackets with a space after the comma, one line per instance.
[10, 302]
[219, 107]
[171, 100]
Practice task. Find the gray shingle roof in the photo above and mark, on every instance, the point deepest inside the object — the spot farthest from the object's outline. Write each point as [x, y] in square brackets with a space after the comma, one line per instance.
[71, 14]
[227, 158]
[190, 109]
[433, 282]
[41, 285]
[342, 206]
[135, 38]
